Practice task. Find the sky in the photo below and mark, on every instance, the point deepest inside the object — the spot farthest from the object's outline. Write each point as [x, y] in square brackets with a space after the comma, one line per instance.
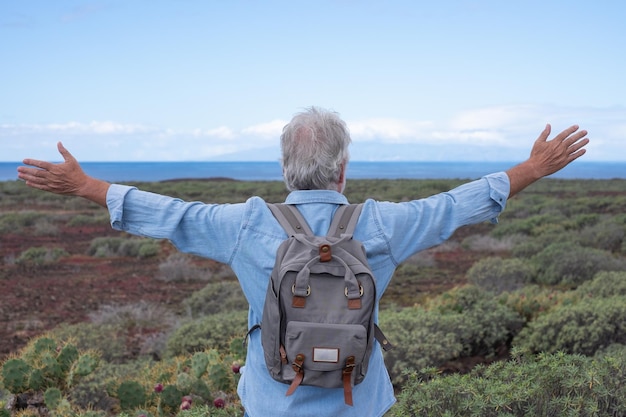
[203, 80]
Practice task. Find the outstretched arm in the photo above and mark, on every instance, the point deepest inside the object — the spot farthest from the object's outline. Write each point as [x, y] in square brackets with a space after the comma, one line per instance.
[548, 157]
[65, 178]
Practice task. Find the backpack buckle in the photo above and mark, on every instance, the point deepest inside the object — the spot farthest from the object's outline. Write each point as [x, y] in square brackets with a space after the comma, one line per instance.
[360, 290]
[308, 290]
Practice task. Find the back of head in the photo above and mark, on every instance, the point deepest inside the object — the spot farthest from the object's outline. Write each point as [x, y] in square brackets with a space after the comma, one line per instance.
[314, 150]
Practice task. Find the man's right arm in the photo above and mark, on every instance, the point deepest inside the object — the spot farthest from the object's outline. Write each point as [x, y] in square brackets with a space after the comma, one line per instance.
[65, 178]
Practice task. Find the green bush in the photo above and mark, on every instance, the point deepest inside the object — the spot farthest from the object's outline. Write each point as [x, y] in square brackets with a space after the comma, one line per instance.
[604, 284]
[499, 275]
[465, 322]
[488, 323]
[95, 219]
[106, 339]
[543, 385]
[104, 247]
[607, 235]
[37, 256]
[533, 300]
[214, 298]
[14, 222]
[532, 225]
[179, 267]
[565, 263]
[421, 338]
[215, 331]
[583, 327]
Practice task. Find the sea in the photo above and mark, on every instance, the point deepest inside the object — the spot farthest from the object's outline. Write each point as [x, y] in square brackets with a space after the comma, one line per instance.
[271, 171]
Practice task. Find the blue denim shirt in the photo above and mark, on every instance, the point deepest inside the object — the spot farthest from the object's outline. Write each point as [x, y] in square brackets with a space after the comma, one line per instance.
[246, 237]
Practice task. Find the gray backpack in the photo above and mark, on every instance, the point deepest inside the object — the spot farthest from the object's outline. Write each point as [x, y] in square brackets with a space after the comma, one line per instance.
[317, 326]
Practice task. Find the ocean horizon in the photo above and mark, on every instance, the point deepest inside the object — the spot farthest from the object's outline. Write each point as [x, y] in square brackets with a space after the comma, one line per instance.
[271, 171]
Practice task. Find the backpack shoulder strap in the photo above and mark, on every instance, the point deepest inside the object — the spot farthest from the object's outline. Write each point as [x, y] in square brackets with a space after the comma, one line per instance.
[345, 220]
[290, 219]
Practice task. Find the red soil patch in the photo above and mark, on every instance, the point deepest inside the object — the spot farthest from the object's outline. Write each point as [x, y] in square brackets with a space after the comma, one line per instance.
[38, 298]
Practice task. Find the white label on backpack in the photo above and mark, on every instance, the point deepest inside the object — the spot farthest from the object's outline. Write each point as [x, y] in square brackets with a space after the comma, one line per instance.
[325, 355]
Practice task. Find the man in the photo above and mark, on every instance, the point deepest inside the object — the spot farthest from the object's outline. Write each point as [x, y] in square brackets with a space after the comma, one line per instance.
[246, 235]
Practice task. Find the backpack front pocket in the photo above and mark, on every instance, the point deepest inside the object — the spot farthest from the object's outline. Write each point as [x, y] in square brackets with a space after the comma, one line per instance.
[325, 347]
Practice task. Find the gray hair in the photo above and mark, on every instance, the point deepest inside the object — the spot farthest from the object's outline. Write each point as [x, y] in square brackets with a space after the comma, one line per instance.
[314, 147]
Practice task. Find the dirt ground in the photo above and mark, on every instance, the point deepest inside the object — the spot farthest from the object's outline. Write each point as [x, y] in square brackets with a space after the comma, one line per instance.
[38, 298]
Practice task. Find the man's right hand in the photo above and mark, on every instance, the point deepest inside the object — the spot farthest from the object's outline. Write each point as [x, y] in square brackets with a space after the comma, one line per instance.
[65, 178]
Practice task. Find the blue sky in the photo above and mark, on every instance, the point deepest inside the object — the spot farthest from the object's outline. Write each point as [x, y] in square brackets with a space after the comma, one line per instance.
[122, 80]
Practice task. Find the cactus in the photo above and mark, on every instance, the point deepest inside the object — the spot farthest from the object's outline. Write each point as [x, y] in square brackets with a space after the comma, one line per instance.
[86, 364]
[199, 363]
[15, 374]
[36, 380]
[131, 395]
[171, 397]
[43, 345]
[201, 389]
[50, 366]
[184, 382]
[67, 356]
[52, 398]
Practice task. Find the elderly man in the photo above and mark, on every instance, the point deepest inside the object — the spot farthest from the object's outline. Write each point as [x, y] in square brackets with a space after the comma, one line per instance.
[246, 235]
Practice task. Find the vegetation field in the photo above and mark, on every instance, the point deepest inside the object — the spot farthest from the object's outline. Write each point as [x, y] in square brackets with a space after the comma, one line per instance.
[526, 317]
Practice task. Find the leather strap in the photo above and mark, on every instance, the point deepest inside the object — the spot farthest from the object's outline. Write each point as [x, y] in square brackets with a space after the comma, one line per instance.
[347, 380]
[297, 380]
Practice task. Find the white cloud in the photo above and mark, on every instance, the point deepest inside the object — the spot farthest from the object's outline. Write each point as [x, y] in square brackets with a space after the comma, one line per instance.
[493, 130]
[269, 130]
[389, 130]
[222, 132]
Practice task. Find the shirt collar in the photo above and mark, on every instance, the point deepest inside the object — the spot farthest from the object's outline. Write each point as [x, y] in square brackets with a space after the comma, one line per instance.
[316, 196]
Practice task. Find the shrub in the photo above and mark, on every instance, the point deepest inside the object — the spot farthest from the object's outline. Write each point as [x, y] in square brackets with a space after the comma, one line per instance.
[14, 222]
[499, 275]
[607, 235]
[179, 267]
[214, 298]
[543, 385]
[464, 322]
[604, 284]
[106, 339]
[88, 220]
[488, 323]
[37, 256]
[533, 300]
[421, 338]
[487, 243]
[103, 247]
[214, 331]
[583, 327]
[533, 225]
[45, 227]
[124, 332]
[569, 264]
[138, 316]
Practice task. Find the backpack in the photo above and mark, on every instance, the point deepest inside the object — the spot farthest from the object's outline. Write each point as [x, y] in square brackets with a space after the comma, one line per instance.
[318, 318]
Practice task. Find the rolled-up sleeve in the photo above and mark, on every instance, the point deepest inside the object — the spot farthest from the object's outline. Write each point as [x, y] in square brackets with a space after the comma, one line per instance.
[416, 225]
[208, 230]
